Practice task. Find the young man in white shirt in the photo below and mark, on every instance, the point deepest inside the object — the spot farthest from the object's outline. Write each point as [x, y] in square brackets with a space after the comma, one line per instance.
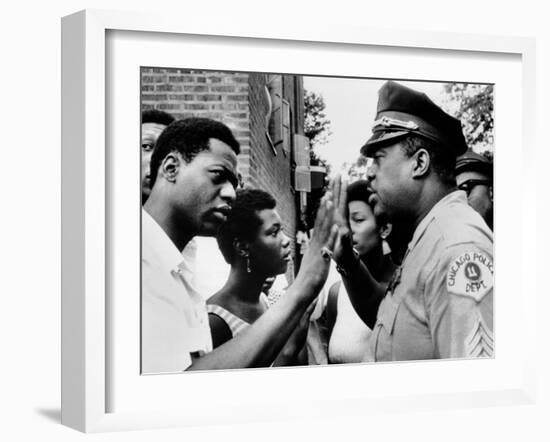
[193, 180]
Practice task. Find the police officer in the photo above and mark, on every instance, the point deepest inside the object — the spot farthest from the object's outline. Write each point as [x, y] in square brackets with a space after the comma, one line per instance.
[439, 303]
[474, 175]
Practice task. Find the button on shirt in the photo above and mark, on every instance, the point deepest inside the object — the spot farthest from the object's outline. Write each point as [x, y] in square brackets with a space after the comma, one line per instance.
[439, 303]
[174, 319]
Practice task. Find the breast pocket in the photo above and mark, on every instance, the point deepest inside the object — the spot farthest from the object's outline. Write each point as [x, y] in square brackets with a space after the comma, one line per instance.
[383, 330]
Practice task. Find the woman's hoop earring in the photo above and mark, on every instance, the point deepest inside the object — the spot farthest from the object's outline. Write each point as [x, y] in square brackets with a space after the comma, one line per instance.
[386, 249]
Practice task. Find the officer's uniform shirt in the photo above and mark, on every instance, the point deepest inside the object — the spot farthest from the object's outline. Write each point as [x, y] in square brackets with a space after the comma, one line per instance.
[439, 304]
[174, 316]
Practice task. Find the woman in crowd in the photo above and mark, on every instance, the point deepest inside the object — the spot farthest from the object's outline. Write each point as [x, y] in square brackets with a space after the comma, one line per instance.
[252, 241]
[348, 334]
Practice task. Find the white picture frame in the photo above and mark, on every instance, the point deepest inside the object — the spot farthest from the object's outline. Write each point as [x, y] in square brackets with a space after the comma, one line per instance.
[86, 206]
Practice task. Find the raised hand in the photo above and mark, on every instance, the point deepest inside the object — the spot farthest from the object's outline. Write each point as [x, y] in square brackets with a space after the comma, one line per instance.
[343, 249]
[338, 188]
[315, 263]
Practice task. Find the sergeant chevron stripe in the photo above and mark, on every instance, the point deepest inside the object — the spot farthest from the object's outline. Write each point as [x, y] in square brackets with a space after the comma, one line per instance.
[480, 343]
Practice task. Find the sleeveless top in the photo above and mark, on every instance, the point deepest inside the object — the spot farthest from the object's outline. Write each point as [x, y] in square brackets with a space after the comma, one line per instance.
[235, 324]
[350, 338]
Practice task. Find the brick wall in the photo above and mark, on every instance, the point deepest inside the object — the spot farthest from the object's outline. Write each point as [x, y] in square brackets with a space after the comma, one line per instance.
[239, 100]
[270, 168]
[215, 95]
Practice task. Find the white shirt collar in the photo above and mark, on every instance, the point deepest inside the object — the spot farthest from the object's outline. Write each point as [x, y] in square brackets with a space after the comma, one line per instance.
[157, 245]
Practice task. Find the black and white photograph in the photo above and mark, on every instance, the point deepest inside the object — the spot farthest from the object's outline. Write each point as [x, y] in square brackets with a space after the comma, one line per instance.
[334, 227]
[292, 220]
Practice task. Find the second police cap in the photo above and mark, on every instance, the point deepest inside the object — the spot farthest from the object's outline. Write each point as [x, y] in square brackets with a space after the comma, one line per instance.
[474, 162]
[402, 111]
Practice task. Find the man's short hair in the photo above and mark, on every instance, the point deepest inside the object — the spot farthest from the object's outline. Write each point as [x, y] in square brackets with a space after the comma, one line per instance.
[189, 137]
[156, 116]
[243, 221]
[441, 160]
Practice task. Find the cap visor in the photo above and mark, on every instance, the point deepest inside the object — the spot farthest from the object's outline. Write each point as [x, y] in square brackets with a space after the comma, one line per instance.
[381, 139]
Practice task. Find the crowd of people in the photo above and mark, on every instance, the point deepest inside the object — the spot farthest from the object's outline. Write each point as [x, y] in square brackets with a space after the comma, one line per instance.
[396, 267]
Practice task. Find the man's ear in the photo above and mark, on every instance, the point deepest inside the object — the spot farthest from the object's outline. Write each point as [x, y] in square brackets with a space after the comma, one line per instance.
[421, 165]
[169, 167]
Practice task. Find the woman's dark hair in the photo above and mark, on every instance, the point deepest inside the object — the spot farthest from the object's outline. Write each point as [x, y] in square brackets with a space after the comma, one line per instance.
[359, 191]
[243, 222]
[189, 137]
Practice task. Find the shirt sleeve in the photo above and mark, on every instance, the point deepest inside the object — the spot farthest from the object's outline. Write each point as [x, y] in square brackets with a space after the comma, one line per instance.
[459, 300]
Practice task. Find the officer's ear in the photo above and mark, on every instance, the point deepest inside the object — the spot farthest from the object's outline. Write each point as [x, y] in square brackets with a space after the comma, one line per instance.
[385, 230]
[421, 163]
[170, 165]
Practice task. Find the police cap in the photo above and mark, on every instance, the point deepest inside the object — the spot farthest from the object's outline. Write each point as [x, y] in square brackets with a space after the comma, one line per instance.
[473, 162]
[403, 111]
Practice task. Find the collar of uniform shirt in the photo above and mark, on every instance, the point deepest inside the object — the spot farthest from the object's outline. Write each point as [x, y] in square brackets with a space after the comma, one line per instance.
[456, 196]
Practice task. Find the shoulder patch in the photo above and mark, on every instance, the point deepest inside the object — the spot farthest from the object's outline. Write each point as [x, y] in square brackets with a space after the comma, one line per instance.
[471, 275]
